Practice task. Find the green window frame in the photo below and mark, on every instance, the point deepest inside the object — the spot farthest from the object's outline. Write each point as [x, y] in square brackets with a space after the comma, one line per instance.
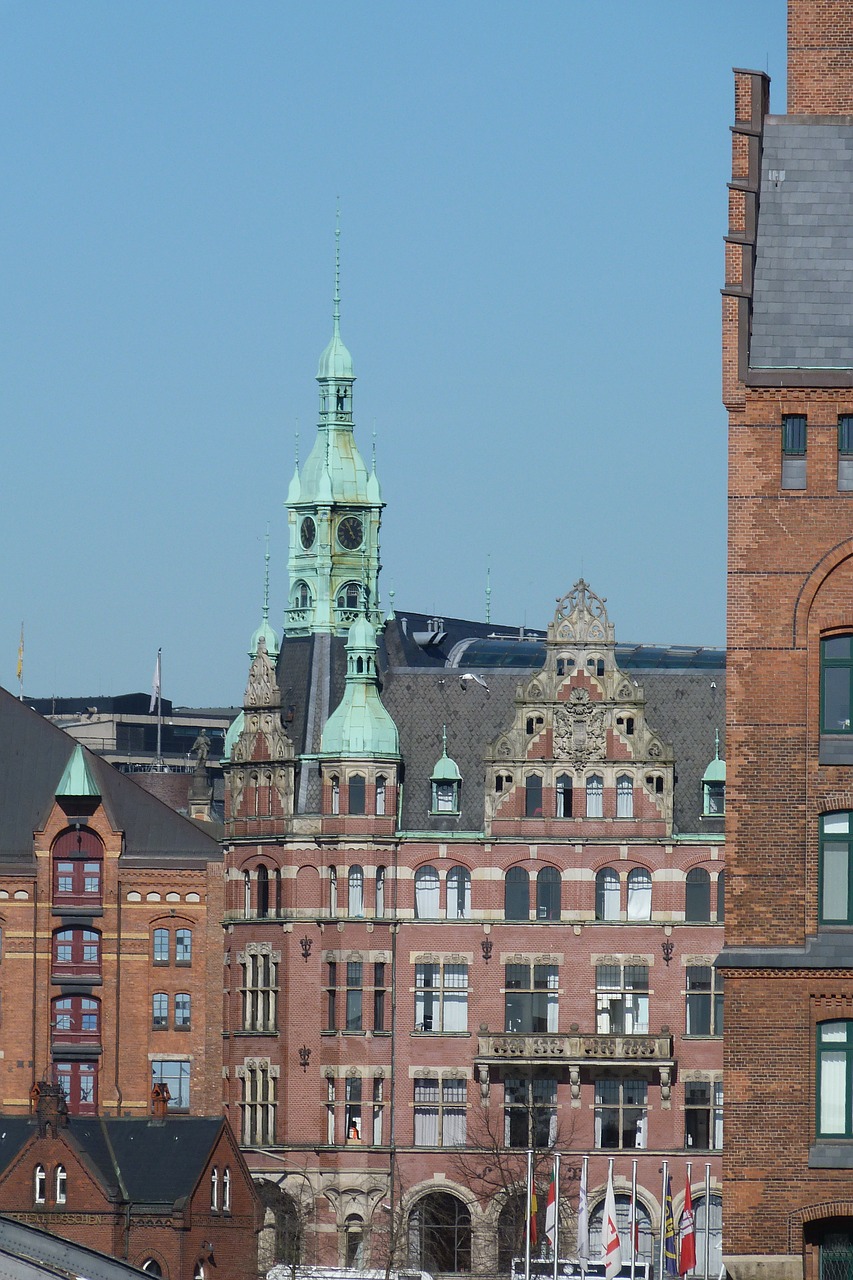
[833, 1092]
[845, 435]
[793, 435]
[836, 880]
[836, 684]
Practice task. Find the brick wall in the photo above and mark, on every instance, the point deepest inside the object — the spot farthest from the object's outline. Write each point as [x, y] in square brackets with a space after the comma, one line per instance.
[820, 57]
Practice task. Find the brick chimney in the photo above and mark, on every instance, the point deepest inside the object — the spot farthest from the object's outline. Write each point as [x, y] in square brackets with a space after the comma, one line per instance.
[820, 57]
[160, 1096]
[51, 1110]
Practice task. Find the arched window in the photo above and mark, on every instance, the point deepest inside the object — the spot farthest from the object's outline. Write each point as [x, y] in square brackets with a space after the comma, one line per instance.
[263, 882]
[380, 795]
[333, 891]
[440, 1234]
[76, 1020]
[517, 894]
[160, 1011]
[301, 595]
[349, 597]
[356, 793]
[721, 896]
[380, 892]
[639, 894]
[708, 1220]
[548, 894]
[426, 893]
[645, 1238]
[354, 1240]
[356, 891]
[199, 1272]
[697, 896]
[78, 858]
[336, 794]
[624, 796]
[564, 796]
[247, 895]
[533, 796]
[152, 1266]
[607, 896]
[459, 893]
[595, 796]
[60, 1187]
[226, 1190]
[77, 952]
[214, 1189]
[183, 946]
[39, 1184]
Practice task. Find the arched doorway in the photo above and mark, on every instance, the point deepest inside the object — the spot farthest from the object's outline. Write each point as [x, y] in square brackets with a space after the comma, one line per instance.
[281, 1238]
[440, 1233]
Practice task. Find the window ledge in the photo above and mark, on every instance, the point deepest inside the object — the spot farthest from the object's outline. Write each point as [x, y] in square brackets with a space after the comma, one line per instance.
[432, 1035]
[353, 1033]
[836, 1154]
[836, 748]
[382, 1033]
[701, 1036]
[243, 1032]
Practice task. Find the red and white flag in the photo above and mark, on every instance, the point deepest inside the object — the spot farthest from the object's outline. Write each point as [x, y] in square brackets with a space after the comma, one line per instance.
[155, 685]
[687, 1235]
[610, 1233]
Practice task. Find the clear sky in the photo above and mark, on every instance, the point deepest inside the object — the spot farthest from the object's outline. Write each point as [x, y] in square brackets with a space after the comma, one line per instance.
[533, 200]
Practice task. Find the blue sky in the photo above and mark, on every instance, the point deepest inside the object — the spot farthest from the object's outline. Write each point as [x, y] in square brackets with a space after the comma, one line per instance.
[533, 201]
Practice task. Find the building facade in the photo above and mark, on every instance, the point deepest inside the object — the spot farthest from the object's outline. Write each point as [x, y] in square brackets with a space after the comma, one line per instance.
[788, 388]
[473, 897]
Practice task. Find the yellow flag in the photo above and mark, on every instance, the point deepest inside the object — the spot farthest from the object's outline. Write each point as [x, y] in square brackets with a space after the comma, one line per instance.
[21, 653]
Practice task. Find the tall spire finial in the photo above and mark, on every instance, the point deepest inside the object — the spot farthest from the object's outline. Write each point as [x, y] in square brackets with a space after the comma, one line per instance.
[444, 739]
[267, 574]
[716, 744]
[296, 444]
[374, 444]
[337, 311]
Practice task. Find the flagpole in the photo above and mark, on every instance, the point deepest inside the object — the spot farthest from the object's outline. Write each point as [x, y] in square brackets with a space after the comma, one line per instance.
[556, 1213]
[583, 1218]
[159, 710]
[665, 1168]
[689, 1172]
[21, 666]
[633, 1219]
[707, 1249]
[529, 1207]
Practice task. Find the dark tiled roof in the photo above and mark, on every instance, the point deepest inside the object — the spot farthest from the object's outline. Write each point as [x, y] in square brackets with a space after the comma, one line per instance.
[802, 317]
[33, 755]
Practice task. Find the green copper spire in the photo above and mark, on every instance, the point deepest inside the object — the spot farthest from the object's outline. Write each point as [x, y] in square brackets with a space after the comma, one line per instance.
[716, 771]
[77, 779]
[446, 770]
[336, 361]
[265, 629]
[360, 725]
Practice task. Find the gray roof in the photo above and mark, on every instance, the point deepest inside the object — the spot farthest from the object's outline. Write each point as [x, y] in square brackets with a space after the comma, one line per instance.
[684, 688]
[802, 317]
[27, 1253]
[33, 756]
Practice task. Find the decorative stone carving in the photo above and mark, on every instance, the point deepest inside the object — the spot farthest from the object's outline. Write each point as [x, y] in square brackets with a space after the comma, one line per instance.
[483, 1077]
[580, 732]
[581, 617]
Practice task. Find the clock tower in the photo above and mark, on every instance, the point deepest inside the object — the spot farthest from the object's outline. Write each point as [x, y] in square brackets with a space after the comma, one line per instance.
[334, 509]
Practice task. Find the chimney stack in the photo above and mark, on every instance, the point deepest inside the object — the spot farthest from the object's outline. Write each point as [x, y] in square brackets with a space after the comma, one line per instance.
[820, 57]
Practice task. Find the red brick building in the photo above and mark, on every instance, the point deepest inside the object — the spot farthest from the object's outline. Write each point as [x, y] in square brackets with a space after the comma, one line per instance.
[474, 885]
[788, 388]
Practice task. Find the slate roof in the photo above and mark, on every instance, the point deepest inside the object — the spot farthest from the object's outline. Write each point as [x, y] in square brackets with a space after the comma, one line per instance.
[801, 316]
[684, 687]
[33, 756]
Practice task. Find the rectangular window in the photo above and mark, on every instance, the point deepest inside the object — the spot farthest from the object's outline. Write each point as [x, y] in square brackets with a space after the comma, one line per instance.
[845, 435]
[531, 998]
[176, 1075]
[835, 1059]
[355, 995]
[379, 997]
[259, 992]
[440, 1115]
[704, 1001]
[183, 946]
[622, 999]
[621, 1114]
[594, 796]
[258, 1104]
[530, 1111]
[836, 684]
[352, 1118]
[441, 997]
[161, 946]
[703, 1114]
[378, 1109]
[793, 451]
[160, 1011]
[331, 996]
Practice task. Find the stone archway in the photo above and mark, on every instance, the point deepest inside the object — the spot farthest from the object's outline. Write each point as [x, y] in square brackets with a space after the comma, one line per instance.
[282, 1235]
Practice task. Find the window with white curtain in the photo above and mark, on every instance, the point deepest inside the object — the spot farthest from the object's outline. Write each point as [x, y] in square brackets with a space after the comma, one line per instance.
[440, 1116]
[607, 895]
[459, 893]
[639, 894]
[622, 999]
[426, 893]
[595, 796]
[441, 997]
[624, 796]
[380, 892]
[356, 891]
[835, 1079]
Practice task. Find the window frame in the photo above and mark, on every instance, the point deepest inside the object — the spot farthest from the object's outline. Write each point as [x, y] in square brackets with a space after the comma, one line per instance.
[706, 1115]
[703, 1002]
[516, 889]
[531, 995]
[441, 986]
[626, 1111]
[843, 1050]
[622, 999]
[608, 895]
[843, 663]
[447, 1100]
[162, 1073]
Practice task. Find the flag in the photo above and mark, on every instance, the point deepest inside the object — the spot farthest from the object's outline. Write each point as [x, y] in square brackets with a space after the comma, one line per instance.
[670, 1250]
[21, 654]
[155, 685]
[583, 1222]
[687, 1235]
[531, 1217]
[610, 1233]
[551, 1210]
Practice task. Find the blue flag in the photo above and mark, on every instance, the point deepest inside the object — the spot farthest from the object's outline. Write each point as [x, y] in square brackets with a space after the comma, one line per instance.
[670, 1239]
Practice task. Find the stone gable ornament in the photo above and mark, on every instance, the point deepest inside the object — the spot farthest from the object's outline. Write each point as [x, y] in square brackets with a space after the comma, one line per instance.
[581, 618]
[579, 729]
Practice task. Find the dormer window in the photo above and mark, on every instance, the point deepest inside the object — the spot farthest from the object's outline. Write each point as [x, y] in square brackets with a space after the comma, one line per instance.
[39, 1184]
[714, 785]
[446, 783]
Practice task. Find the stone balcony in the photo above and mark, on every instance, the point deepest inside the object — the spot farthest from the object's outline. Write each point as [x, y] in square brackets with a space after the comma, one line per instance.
[611, 1050]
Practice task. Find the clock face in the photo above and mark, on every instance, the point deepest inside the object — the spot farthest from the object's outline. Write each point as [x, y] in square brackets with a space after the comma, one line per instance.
[350, 533]
[308, 532]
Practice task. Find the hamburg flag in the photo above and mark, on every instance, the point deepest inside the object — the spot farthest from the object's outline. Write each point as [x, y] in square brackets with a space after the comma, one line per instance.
[551, 1211]
[687, 1233]
[610, 1233]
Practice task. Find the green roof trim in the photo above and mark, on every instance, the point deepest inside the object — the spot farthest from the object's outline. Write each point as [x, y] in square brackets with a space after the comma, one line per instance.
[77, 779]
[446, 770]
